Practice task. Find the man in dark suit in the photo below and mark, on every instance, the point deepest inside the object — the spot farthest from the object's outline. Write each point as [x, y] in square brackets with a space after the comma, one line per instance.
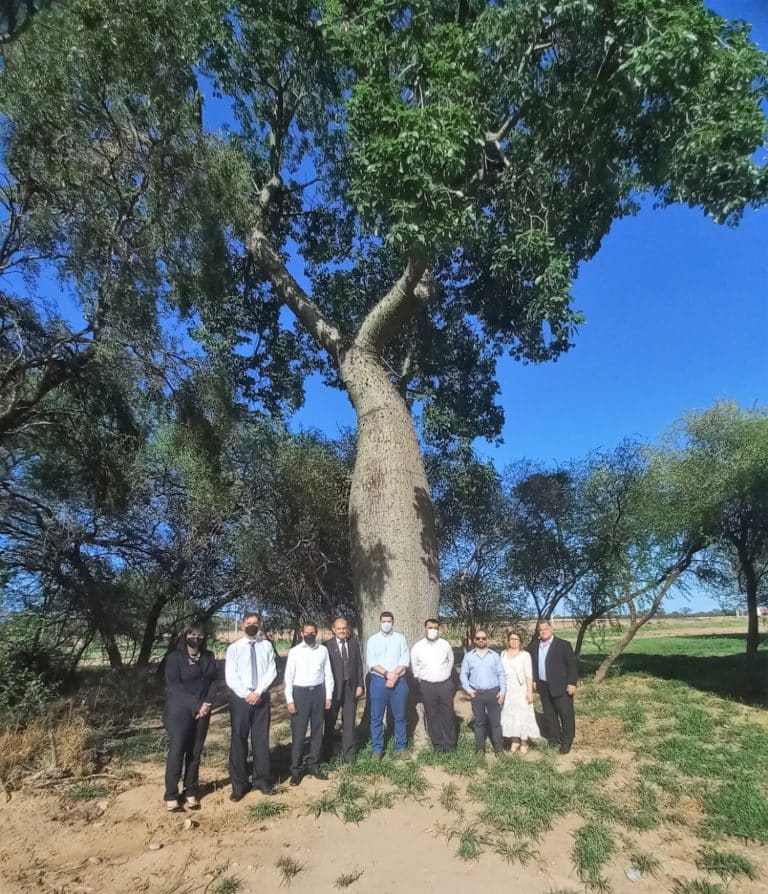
[555, 674]
[348, 676]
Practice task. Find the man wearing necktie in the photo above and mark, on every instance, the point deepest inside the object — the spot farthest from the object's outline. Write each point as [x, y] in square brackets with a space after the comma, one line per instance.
[347, 667]
[250, 670]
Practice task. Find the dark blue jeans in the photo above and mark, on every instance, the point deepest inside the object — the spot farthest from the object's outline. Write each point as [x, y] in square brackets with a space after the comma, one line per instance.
[396, 698]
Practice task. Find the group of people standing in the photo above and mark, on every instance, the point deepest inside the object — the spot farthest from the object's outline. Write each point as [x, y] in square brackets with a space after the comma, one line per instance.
[322, 679]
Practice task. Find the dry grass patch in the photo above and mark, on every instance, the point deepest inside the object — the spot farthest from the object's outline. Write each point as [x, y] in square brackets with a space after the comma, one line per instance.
[54, 748]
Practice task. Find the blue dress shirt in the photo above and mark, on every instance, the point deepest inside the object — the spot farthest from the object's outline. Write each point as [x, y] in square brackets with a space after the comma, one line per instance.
[388, 650]
[482, 671]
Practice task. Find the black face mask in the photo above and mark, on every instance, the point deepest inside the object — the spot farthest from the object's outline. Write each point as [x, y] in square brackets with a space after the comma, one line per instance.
[194, 641]
[252, 630]
[309, 638]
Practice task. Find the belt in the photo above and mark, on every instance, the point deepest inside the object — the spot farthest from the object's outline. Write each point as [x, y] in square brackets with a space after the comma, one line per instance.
[492, 689]
[310, 688]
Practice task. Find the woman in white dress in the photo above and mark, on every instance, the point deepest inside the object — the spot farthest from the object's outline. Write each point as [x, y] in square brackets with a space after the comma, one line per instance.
[518, 720]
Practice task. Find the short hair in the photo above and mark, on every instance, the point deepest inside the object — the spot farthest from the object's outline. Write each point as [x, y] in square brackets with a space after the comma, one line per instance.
[251, 614]
[340, 618]
[431, 621]
[481, 630]
[546, 621]
[309, 624]
[386, 615]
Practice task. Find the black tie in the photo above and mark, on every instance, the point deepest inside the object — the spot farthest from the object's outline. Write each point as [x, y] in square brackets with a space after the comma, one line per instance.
[345, 658]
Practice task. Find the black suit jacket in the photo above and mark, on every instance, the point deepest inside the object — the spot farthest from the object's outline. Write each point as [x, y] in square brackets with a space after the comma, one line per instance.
[356, 672]
[562, 666]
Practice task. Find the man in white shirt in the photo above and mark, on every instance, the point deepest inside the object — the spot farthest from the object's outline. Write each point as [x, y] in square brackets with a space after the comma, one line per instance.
[250, 670]
[432, 663]
[308, 693]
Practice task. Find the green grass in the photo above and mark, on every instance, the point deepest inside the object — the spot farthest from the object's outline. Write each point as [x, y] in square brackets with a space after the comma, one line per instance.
[645, 863]
[266, 810]
[514, 851]
[348, 878]
[85, 791]
[324, 804]
[142, 747]
[288, 869]
[593, 847]
[739, 808]
[449, 798]
[727, 864]
[696, 886]
[226, 885]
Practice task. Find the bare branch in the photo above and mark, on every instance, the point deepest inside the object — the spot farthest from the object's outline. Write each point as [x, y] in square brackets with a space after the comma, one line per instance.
[412, 291]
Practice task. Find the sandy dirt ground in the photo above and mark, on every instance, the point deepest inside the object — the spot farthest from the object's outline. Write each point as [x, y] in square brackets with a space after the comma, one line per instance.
[127, 843]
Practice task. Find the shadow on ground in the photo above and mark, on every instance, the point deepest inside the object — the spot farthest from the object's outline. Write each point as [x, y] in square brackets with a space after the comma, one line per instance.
[736, 676]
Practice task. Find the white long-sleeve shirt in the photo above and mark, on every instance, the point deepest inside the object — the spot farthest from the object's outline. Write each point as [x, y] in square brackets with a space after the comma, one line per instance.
[237, 666]
[431, 661]
[308, 666]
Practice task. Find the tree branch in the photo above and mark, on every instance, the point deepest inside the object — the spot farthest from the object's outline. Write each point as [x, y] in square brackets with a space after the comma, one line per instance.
[290, 292]
[413, 290]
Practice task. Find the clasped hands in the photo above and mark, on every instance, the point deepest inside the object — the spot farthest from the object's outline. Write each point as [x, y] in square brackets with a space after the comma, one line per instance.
[253, 698]
[391, 679]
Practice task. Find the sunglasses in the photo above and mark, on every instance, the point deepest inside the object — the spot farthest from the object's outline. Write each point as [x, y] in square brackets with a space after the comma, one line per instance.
[481, 639]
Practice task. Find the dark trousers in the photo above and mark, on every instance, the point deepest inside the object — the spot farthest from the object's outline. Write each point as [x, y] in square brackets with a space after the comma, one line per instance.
[310, 710]
[186, 737]
[344, 699]
[485, 707]
[249, 720]
[559, 716]
[437, 699]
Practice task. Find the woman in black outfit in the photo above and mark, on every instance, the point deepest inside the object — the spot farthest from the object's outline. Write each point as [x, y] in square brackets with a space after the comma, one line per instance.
[190, 677]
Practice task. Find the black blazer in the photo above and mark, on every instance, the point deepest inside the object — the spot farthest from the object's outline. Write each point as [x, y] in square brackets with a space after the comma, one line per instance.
[356, 671]
[562, 666]
[188, 684]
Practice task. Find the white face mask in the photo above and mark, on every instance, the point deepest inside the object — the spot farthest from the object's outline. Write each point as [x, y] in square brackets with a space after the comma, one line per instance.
[433, 633]
[386, 626]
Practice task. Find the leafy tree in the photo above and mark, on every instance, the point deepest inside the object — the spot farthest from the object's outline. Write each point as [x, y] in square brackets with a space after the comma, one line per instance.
[471, 512]
[720, 457]
[437, 171]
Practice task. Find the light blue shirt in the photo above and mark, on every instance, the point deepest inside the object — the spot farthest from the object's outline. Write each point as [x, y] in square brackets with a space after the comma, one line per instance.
[482, 671]
[387, 650]
[543, 651]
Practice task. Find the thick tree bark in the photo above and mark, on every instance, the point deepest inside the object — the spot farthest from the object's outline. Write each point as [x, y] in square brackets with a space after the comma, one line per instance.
[394, 547]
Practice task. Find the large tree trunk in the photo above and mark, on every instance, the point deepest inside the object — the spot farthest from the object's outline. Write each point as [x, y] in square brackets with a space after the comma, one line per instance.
[394, 547]
[149, 634]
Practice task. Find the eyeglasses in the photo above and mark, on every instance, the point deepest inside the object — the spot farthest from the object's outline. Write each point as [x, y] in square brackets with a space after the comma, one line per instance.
[481, 639]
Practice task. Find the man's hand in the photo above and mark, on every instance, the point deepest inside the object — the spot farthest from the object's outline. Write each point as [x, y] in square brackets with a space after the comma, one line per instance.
[389, 684]
[500, 698]
[327, 704]
[471, 693]
[291, 708]
[359, 692]
[252, 698]
[205, 710]
[570, 689]
[391, 677]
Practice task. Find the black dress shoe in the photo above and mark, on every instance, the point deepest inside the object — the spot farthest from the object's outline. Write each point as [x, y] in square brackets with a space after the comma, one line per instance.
[237, 796]
[264, 787]
[564, 749]
[295, 779]
[317, 773]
